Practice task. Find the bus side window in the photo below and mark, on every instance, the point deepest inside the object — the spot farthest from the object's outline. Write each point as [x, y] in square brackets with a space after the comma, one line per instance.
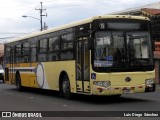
[53, 56]
[67, 47]
[53, 43]
[43, 45]
[42, 55]
[33, 52]
[67, 41]
[18, 50]
[25, 52]
[68, 55]
[7, 54]
[18, 53]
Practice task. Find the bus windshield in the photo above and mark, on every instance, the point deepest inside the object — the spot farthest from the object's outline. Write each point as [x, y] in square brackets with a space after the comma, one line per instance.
[122, 50]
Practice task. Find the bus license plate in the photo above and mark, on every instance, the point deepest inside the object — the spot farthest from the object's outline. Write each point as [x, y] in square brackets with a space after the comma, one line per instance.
[126, 90]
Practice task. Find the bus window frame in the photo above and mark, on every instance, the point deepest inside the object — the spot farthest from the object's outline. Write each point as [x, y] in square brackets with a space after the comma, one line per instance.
[25, 57]
[7, 53]
[41, 53]
[67, 50]
[33, 40]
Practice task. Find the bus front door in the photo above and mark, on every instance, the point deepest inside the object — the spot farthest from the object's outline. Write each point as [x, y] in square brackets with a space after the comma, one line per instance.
[82, 65]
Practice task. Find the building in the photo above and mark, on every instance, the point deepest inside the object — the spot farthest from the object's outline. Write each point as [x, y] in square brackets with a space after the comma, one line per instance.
[153, 12]
[137, 11]
[157, 61]
[1, 52]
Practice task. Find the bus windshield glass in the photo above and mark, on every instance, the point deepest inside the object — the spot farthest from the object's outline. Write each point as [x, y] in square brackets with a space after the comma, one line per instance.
[122, 50]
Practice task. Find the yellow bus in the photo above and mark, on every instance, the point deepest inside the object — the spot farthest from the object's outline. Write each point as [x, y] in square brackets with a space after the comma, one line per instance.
[103, 55]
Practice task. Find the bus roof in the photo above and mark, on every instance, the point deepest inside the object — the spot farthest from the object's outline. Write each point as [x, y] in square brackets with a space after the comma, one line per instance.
[81, 22]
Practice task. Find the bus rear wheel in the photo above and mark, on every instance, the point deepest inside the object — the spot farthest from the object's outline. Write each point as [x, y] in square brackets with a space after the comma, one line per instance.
[65, 87]
[18, 82]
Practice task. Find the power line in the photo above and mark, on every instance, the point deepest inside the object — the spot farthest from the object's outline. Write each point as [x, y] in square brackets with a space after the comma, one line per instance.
[17, 36]
[11, 33]
[7, 37]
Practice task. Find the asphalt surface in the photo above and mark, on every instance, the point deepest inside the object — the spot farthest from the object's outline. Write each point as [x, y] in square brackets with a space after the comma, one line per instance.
[43, 100]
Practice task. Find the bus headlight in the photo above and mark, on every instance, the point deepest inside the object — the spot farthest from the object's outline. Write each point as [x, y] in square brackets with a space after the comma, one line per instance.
[149, 82]
[102, 83]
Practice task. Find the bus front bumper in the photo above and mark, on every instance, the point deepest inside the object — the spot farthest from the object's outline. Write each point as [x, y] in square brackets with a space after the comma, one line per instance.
[117, 90]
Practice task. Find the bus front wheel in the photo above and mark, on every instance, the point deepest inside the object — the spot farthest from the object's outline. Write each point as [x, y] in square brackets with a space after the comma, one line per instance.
[66, 87]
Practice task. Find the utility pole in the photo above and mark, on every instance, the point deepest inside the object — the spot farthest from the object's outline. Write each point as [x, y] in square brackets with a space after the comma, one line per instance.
[41, 15]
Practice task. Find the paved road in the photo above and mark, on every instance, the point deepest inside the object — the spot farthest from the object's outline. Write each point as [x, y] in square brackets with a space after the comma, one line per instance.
[42, 100]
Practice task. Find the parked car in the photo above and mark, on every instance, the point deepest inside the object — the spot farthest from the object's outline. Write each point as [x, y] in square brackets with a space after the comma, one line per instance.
[1, 73]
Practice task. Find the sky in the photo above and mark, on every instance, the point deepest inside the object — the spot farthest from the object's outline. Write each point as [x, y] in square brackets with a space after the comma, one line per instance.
[59, 12]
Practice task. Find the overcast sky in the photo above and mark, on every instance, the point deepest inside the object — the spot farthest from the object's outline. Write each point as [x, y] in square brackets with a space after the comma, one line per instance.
[58, 12]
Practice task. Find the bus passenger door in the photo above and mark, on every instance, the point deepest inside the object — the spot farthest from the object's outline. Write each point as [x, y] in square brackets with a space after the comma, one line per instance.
[82, 65]
[11, 69]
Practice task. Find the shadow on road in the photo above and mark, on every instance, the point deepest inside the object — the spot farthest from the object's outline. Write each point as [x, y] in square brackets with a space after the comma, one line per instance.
[84, 98]
[107, 99]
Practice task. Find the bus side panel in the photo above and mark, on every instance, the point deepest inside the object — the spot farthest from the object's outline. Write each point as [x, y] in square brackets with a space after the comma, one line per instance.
[33, 81]
[29, 80]
[25, 78]
[9, 75]
[6, 77]
[28, 74]
[52, 71]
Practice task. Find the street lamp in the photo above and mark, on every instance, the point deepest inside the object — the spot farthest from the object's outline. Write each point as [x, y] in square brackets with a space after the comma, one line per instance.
[41, 16]
[34, 18]
[31, 17]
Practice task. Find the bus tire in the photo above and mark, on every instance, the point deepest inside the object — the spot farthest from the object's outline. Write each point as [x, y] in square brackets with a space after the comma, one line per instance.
[3, 80]
[18, 82]
[65, 87]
